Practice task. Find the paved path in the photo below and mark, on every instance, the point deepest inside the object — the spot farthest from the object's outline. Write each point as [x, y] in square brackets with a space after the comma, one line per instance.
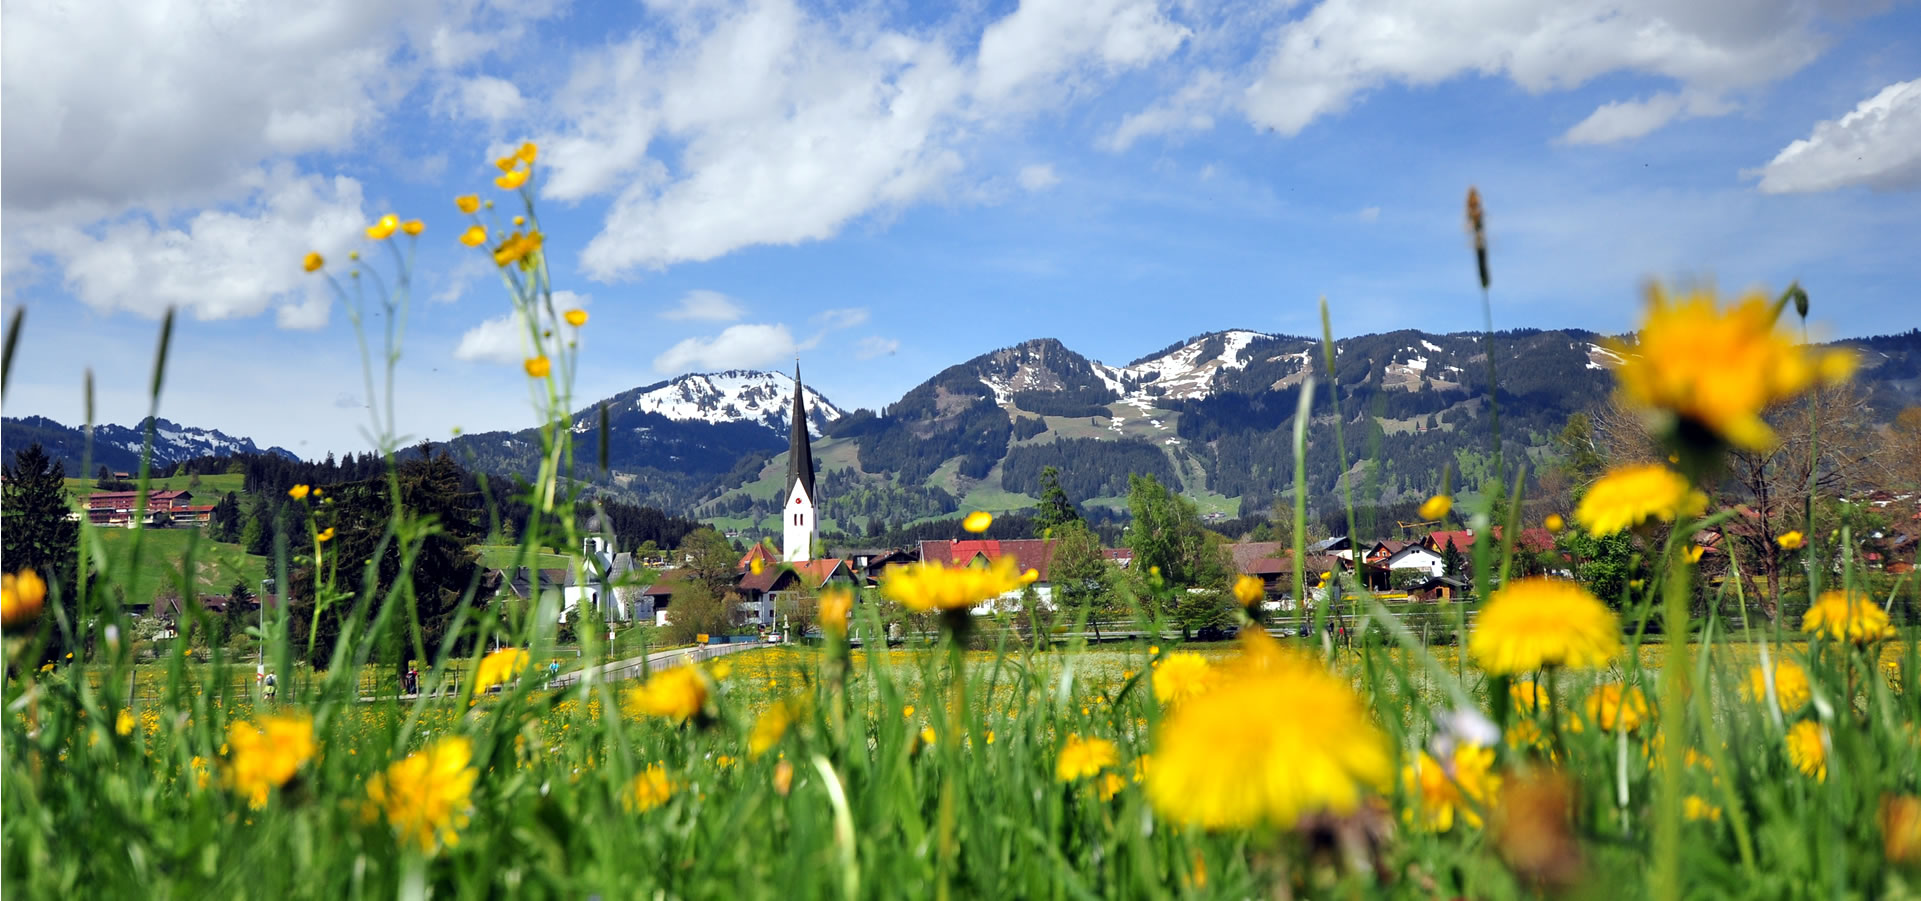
[633, 668]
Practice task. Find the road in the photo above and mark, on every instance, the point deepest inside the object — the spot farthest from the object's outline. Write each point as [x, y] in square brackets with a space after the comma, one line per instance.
[633, 667]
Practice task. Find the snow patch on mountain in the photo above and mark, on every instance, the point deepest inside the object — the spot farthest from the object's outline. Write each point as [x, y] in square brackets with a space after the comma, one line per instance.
[174, 443]
[1599, 357]
[736, 395]
[1185, 373]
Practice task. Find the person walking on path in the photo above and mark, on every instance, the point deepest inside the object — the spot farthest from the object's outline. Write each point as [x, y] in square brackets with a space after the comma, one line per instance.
[270, 688]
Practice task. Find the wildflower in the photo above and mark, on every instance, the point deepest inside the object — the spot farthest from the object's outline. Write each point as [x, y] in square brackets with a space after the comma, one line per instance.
[1615, 706]
[927, 735]
[474, 236]
[1844, 616]
[312, 262]
[1435, 791]
[1540, 622]
[22, 596]
[1436, 506]
[1525, 735]
[1529, 695]
[977, 521]
[299, 492]
[1807, 749]
[1554, 523]
[266, 754]
[1790, 685]
[527, 152]
[123, 723]
[538, 367]
[1084, 757]
[783, 778]
[1702, 369]
[520, 220]
[990, 736]
[676, 694]
[413, 227]
[575, 318]
[201, 774]
[835, 605]
[649, 789]
[1695, 807]
[1693, 553]
[769, 727]
[519, 248]
[508, 163]
[1630, 495]
[1901, 828]
[1109, 785]
[1220, 762]
[500, 667]
[927, 586]
[468, 203]
[1183, 675]
[1249, 590]
[325, 535]
[428, 795]
[907, 712]
[1791, 541]
[511, 180]
[382, 230]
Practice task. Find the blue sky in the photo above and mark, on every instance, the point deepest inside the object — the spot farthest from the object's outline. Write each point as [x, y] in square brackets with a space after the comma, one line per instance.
[888, 189]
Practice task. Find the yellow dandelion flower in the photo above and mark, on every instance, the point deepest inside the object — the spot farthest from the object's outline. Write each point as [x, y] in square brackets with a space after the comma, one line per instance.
[1791, 541]
[538, 367]
[500, 667]
[1841, 616]
[1791, 687]
[22, 596]
[575, 318]
[929, 586]
[324, 535]
[202, 775]
[1703, 368]
[1109, 785]
[769, 727]
[1540, 622]
[428, 796]
[1529, 696]
[123, 722]
[977, 521]
[1436, 792]
[1695, 807]
[299, 492]
[312, 262]
[649, 789]
[511, 180]
[1630, 495]
[907, 712]
[1525, 735]
[835, 606]
[1807, 749]
[1554, 522]
[927, 735]
[1084, 757]
[468, 203]
[1615, 707]
[474, 236]
[1220, 761]
[1436, 506]
[266, 754]
[1181, 676]
[1249, 590]
[383, 229]
[675, 694]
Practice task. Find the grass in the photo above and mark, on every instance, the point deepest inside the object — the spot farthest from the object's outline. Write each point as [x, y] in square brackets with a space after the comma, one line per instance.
[209, 490]
[164, 552]
[497, 556]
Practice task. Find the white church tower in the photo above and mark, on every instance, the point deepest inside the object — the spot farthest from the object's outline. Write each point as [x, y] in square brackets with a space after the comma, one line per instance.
[798, 525]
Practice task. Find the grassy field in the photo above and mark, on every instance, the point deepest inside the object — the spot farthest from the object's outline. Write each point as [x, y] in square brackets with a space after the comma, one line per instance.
[209, 490]
[163, 554]
[495, 556]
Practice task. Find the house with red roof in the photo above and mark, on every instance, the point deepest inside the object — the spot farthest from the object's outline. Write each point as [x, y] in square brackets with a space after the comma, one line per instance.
[762, 592]
[1036, 554]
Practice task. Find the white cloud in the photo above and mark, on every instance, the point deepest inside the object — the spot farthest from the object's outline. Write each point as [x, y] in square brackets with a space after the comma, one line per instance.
[1623, 120]
[1319, 64]
[1190, 109]
[843, 318]
[1044, 38]
[1038, 177]
[1369, 214]
[705, 306]
[744, 346]
[487, 97]
[875, 346]
[219, 263]
[506, 339]
[1878, 144]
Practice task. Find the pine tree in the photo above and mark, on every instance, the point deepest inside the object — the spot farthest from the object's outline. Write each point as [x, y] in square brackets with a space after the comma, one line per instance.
[35, 531]
[1056, 509]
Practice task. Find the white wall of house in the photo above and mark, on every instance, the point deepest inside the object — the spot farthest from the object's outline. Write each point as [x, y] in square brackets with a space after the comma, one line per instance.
[1012, 600]
[1417, 558]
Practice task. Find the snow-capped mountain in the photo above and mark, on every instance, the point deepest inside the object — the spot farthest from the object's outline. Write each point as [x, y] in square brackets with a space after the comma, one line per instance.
[118, 447]
[737, 395]
[1192, 370]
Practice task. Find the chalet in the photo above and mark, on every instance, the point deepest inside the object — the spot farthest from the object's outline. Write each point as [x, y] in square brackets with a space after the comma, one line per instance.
[1122, 557]
[1338, 546]
[1273, 563]
[659, 596]
[1438, 542]
[1416, 557]
[1028, 553]
[761, 592]
[870, 563]
[116, 508]
[1439, 588]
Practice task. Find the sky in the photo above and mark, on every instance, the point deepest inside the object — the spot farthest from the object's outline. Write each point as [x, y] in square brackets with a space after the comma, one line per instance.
[885, 189]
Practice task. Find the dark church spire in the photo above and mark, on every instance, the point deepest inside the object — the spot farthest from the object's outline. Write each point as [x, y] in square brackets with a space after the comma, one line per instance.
[800, 451]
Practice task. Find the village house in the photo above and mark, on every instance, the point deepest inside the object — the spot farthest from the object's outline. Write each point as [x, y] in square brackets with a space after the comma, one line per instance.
[116, 508]
[1036, 554]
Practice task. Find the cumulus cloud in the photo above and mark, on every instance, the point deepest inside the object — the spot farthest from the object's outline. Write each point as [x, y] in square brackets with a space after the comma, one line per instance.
[1038, 177]
[1319, 64]
[506, 339]
[1192, 108]
[1878, 145]
[1044, 38]
[706, 306]
[875, 346]
[744, 346]
[486, 97]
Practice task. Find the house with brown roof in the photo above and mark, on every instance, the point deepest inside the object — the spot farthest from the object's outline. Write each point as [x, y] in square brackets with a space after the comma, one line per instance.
[116, 508]
[761, 592]
[1273, 563]
[1036, 554]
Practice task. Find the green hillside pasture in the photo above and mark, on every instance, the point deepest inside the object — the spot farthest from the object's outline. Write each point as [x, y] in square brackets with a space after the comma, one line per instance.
[209, 491]
[501, 556]
[216, 566]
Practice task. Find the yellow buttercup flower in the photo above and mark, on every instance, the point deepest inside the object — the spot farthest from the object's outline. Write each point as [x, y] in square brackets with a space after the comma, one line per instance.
[1615, 707]
[538, 367]
[508, 163]
[1695, 807]
[413, 226]
[1791, 687]
[1529, 695]
[649, 789]
[1084, 757]
[312, 262]
[1807, 749]
[835, 605]
[500, 667]
[1540, 622]
[770, 727]
[977, 521]
[520, 220]
[1436, 792]
[1249, 590]
[265, 755]
[676, 694]
[928, 735]
[123, 722]
[1221, 760]
[325, 535]
[1182, 675]
[383, 229]
[1109, 785]
[1693, 553]
[928, 586]
[1701, 367]
[468, 203]
[575, 318]
[527, 152]
[22, 596]
[1554, 522]
[299, 492]
[428, 796]
[1841, 616]
[1436, 506]
[1791, 541]
[519, 248]
[511, 180]
[1630, 495]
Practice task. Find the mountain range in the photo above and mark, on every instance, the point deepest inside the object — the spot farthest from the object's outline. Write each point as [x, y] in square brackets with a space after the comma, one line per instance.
[118, 447]
[1211, 414]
